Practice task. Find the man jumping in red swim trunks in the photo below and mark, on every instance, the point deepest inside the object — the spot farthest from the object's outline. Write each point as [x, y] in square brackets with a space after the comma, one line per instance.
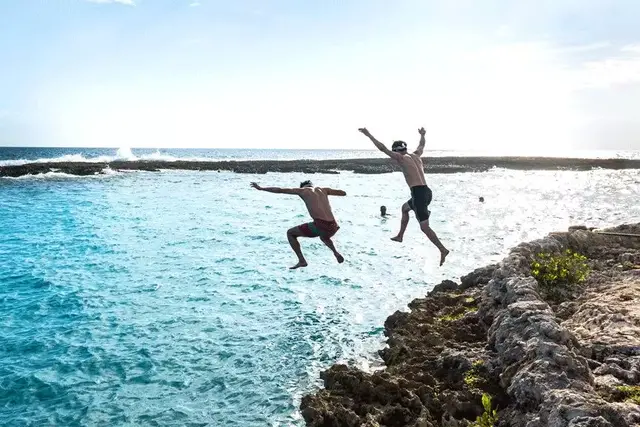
[324, 224]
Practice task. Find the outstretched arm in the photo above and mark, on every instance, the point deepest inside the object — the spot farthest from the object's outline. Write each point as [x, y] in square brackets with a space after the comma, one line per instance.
[333, 192]
[379, 145]
[420, 148]
[277, 189]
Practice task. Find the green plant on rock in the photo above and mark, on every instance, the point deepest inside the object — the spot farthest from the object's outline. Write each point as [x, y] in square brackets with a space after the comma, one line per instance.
[473, 377]
[472, 380]
[631, 393]
[457, 316]
[559, 272]
[489, 417]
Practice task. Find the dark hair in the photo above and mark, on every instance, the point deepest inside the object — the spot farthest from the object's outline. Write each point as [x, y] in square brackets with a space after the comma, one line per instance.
[399, 146]
[306, 183]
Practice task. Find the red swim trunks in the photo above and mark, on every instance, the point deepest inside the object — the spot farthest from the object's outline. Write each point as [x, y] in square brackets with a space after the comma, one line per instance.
[319, 228]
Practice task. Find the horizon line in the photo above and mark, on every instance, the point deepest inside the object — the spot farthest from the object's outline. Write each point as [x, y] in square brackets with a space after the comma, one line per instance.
[302, 149]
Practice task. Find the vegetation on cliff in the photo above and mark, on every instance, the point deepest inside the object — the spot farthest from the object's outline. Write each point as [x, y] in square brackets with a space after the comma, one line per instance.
[495, 350]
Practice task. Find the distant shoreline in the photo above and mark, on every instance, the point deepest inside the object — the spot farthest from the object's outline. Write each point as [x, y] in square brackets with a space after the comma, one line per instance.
[433, 165]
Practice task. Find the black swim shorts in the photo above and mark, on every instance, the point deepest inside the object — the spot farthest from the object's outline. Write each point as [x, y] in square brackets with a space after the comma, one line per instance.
[419, 202]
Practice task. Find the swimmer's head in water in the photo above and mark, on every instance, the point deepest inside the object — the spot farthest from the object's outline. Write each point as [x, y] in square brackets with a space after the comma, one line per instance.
[383, 210]
[399, 146]
[306, 183]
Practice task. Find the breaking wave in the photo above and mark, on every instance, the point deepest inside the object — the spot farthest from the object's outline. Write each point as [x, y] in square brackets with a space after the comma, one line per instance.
[54, 175]
[123, 153]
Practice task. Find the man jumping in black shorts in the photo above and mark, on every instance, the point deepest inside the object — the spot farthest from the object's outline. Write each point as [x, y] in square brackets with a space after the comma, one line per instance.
[413, 170]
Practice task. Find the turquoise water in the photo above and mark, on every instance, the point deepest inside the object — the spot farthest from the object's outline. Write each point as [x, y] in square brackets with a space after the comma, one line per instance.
[165, 299]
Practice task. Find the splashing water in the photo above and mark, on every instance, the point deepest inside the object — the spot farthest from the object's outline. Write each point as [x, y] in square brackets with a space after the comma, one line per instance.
[124, 153]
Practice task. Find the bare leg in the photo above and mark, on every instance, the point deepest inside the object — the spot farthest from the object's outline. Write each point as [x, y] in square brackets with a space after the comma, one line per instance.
[327, 241]
[292, 235]
[424, 226]
[404, 221]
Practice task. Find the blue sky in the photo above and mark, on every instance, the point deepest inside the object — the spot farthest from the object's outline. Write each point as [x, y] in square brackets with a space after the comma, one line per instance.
[501, 75]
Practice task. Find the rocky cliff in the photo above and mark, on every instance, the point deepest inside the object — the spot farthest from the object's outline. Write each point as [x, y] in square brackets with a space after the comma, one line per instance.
[570, 361]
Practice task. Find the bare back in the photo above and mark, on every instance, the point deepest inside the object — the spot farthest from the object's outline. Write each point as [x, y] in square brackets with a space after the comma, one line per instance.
[412, 168]
[317, 201]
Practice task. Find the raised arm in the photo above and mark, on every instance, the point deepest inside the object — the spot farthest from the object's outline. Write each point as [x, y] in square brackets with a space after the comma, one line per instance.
[379, 145]
[277, 189]
[420, 148]
[333, 192]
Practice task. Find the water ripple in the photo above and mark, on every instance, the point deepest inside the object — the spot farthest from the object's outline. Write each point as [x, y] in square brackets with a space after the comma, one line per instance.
[165, 299]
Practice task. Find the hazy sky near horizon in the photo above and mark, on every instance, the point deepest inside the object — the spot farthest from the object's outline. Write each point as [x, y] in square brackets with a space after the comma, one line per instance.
[478, 74]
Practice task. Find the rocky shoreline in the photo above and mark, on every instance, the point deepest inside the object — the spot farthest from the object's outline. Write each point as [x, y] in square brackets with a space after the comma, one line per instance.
[569, 362]
[363, 166]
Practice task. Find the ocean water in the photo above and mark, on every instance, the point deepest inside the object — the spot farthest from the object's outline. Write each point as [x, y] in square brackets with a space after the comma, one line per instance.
[165, 298]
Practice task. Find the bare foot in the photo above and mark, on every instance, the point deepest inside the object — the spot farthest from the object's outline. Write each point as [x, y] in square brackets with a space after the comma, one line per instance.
[397, 239]
[299, 265]
[340, 258]
[443, 255]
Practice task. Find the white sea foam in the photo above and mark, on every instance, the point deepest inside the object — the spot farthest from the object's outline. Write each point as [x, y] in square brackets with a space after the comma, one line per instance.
[123, 153]
[54, 174]
[47, 175]
[110, 172]
[65, 158]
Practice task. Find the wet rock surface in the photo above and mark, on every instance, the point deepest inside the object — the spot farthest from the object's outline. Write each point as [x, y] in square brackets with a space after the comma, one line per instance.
[364, 166]
[544, 363]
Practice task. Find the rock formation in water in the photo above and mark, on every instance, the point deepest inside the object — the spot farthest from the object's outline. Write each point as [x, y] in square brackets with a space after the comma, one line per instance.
[563, 362]
[365, 166]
